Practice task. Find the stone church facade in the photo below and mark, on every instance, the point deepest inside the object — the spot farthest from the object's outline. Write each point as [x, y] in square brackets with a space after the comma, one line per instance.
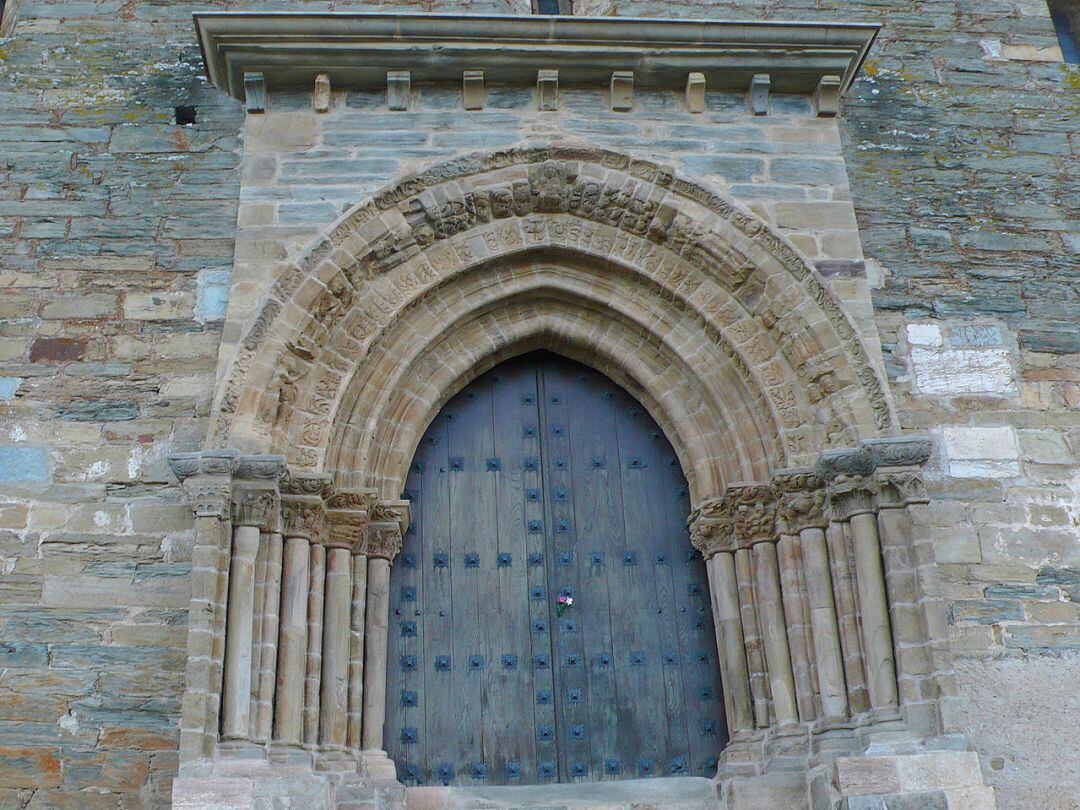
[255, 258]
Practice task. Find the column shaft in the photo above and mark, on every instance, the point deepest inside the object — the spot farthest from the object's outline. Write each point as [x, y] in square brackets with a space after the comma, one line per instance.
[356, 649]
[755, 660]
[270, 623]
[378, 609]
[292, 646]
[317, 575]
[836, 538]
[774, 632]
[731, 644]
[830, 662]
[236, 708]
[793, 594]
[874, 609]
[256, 627]
[334, 687]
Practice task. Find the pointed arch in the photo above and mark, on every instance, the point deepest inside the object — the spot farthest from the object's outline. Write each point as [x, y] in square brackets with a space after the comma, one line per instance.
[729, 337]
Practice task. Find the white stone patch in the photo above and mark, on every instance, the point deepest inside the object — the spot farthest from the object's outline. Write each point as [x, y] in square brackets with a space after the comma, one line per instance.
[69, 723]
[982, 452]
[924, 334]
[963, 371]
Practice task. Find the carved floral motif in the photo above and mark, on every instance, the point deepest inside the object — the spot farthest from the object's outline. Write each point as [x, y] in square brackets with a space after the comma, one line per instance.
[851, 495]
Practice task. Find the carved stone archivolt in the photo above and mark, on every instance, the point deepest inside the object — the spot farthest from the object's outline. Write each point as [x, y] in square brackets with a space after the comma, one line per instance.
[719, 271]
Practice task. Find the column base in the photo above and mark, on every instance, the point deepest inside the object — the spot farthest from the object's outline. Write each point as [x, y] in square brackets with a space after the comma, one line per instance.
[377, 767]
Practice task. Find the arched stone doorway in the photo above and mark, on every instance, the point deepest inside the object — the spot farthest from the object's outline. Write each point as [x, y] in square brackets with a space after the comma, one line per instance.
[543, 479]
[804, 502]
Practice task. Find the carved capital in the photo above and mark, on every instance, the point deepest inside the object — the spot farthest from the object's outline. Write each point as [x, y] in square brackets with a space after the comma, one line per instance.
[753, 508]
[851, 495]
[255, 506]
[711, 527]
[302, 505]
[209, 495]
[898, 488]
[347, 514]
[387, 522]
[801, 500]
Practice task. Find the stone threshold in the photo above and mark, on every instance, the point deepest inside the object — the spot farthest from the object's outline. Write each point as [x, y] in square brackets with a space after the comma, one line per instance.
[682, 792]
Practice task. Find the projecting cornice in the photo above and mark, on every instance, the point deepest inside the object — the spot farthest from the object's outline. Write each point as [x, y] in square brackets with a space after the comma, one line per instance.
[357, 50]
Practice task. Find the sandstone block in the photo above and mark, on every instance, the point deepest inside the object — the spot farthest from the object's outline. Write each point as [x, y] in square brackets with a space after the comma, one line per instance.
[158, 306]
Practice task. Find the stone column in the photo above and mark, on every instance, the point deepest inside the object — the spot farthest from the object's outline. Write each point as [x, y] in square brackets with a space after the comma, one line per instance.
[356, 647]
[755, 655]
[852, 498]
[388, 520]
[754, 513]
[207, 481]
[252, 508]
[313, 661]
[802, 509]
[793, 592]
[302, 513]
[346, 517]
[711, 534]
[266, 683]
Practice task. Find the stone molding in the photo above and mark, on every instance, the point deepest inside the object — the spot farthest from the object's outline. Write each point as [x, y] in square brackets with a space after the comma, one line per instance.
[358, 49]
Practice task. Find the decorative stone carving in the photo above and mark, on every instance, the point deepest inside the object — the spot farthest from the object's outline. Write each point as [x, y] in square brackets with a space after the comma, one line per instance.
[388, 520]
[754, 513]
[302, 505]
[209, 495]
[856, 461]
[347, 516]
[900, 452]
[260, 468]
[255, 507]
[851, 495]
[801, 501]
[898, 488]
[207, 479]
[711, 526]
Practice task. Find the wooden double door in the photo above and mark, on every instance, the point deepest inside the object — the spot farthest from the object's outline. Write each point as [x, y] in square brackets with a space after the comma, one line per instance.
[544, 479]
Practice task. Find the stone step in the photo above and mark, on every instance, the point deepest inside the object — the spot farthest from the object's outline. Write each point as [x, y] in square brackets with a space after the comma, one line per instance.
[675, 793]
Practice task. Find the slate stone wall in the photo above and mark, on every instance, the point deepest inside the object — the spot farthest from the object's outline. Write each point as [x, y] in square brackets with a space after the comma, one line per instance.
[116, 247]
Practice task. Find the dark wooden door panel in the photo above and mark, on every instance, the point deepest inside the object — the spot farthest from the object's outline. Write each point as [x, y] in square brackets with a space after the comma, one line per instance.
[542, 478]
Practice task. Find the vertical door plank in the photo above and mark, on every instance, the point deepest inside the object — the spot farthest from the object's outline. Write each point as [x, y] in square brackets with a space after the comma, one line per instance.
[472, 526]
[568, 649]
[440, 711]
[598, 515]
[539, 661]
[645, 702]
[510, 747]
